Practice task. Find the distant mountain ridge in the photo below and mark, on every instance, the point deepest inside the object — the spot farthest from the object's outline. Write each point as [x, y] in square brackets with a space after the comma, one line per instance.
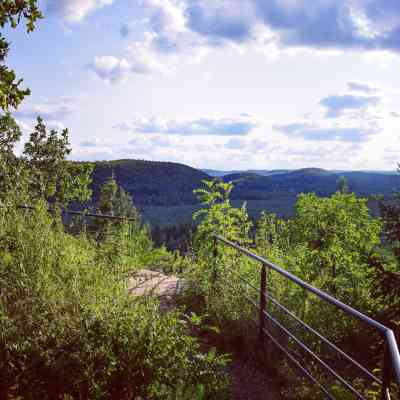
[319, 181]
[220, 173]
[167, 187]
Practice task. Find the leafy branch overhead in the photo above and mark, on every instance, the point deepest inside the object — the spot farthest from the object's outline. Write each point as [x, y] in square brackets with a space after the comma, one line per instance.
[43, 170]
[12, 12]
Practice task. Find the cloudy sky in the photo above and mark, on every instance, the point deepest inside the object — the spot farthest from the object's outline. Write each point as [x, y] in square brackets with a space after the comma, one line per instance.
[227, 84]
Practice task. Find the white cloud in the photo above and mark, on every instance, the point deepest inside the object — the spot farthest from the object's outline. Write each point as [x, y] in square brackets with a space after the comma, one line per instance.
[183, 31]
[75, 10]
[50, 110]
[236, 126]
[111, 69]
[363, 87]
[337, 105]
[97, 143]
[349, 117]
[235, 144]
[326, 131]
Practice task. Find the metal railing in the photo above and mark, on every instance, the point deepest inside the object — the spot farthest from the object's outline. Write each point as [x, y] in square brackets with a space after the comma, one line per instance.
[391, 356]
[84, 214]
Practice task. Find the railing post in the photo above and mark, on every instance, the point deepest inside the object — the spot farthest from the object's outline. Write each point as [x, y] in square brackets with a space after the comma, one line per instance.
[215, 257]
[263, 302]
[386, 374]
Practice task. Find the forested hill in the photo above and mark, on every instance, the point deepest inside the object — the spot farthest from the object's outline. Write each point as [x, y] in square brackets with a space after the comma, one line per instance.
[256, 187]
[151, 183]
[164, 190]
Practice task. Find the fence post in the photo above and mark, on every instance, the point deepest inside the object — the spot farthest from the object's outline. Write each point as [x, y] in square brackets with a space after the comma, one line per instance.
[215, 256]
[386, 374]
[263, 302]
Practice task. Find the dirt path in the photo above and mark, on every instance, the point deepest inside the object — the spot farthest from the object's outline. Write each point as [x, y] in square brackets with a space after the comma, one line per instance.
[251, 383]
[154, 283]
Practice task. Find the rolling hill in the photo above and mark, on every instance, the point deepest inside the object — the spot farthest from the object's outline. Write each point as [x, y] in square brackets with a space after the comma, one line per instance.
[151, 183]
[319, 181]
[163, 191]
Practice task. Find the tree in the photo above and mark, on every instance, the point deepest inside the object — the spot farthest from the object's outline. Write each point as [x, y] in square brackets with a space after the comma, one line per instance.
[42, 171]
[386, 273]
[339, 235]
[114, 200]
[10, 165]
[11, 94]
[343, 185]
[219, 217]
[51, 176]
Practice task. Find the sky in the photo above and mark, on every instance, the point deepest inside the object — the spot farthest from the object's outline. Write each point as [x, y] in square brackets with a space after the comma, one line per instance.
[219, 84]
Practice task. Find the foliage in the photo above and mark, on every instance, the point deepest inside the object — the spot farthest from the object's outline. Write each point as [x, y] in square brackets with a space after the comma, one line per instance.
[386, 267]
[43, 170]
[219, 217]
[10, 165]
[68, 327]
[114, 200]
[330, 242]
[11, 95]
[343, 185]
[339, 235]
[11, 12]
[211, 267]
[51, 176]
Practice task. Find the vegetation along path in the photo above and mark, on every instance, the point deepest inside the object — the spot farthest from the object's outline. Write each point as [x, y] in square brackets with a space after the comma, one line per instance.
[248, 381]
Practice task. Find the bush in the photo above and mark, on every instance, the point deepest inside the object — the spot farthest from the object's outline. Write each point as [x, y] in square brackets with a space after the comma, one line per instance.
[69, 329]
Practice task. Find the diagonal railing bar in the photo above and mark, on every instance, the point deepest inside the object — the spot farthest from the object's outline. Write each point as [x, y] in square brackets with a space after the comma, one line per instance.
[309, 351]
[310, 329]
[82, 213]
[325, 340]
[282, 348]
[313, 355]
[391, 368]
[300, 366]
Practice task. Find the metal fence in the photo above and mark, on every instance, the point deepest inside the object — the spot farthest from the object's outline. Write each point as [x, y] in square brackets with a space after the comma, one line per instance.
[83, 214]
[390, 375]
[84, 220]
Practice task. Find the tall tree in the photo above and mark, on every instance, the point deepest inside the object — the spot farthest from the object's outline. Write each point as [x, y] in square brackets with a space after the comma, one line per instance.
[43, 169]
[51, 176]
[11, 93]
[114, 201]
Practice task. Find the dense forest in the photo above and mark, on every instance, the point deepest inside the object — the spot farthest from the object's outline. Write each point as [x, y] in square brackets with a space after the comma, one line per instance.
[71, 330]
[163, 192]
[150, 183]
[170, 184]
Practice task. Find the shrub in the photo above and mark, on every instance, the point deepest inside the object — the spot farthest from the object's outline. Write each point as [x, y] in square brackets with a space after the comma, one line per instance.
[69, 329]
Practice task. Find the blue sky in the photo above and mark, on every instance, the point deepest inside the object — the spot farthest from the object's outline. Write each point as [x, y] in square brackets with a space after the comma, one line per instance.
[229, 84]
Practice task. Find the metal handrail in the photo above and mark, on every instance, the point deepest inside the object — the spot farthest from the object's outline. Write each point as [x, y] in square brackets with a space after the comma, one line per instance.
[312, 330]
[391, 354]
[82, 213]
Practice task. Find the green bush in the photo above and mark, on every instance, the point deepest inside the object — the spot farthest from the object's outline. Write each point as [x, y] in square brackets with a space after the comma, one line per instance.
[68, 328]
